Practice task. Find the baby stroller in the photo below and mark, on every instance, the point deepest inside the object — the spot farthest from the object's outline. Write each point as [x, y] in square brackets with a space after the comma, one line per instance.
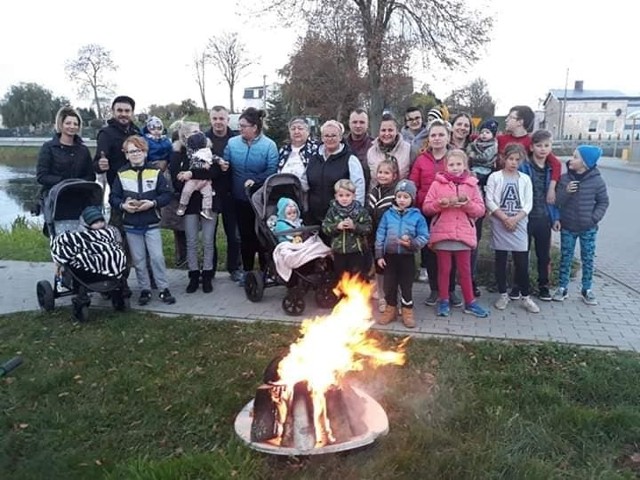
[316, 275]
[62, 209]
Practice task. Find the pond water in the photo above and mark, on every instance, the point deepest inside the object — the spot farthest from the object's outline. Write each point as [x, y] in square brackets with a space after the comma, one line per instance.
[18, 192]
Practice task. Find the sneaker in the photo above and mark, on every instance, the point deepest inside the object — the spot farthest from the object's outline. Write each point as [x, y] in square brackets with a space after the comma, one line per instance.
[589, 297]
[454, 299]
[502, 302]
[166, 297]
[432, 299]
[145, 297]
[514, 294]
[476, 291]
[382, 305]
[443, 308]
[476, 310]
[236, 275]
[560, 294]
[423, 276]
[181, 210]
[207, 213]
[544, 294]
[529, 305]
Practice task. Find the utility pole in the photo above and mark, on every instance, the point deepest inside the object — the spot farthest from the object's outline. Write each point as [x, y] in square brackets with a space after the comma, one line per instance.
[563, 107]
[264, 92]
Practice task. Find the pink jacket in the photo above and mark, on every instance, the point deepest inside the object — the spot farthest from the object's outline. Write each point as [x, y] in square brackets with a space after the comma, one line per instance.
[452, 223]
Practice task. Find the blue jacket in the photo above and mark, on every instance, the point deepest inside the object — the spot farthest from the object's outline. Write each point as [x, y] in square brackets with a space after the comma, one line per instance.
[526, 168]
[140, 183]
[159, 148]
[283, 224]
[395, 224]
[250, 162]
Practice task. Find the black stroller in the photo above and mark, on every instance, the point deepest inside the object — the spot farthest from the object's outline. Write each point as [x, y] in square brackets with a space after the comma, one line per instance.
[316, 275]
[62, 209]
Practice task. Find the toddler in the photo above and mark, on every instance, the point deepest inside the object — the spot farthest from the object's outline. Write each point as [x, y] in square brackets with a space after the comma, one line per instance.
[483, 152]
[159, 143]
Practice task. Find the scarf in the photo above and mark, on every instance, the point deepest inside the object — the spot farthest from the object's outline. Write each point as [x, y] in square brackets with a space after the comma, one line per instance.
[456, 179]
[388, 148]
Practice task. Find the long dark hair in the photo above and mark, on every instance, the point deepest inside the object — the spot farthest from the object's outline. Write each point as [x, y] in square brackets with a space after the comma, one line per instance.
[254, 116]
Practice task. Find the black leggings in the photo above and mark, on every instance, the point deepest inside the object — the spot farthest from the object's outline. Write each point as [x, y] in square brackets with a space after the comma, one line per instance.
[521, 264]
[399, 272]
[249, 243]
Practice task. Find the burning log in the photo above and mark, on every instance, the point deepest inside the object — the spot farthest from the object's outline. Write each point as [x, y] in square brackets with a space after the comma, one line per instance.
[299, 429]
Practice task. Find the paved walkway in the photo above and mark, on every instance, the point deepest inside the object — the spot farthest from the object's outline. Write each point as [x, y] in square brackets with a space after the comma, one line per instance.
[615, 323]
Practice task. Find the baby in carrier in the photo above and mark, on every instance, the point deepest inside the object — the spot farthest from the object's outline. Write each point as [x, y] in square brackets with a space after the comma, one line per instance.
[483, 152]
[200, 157]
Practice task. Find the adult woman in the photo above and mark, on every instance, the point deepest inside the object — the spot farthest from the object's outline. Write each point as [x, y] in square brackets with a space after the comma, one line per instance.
[333, 162]
[65, 155]
[389, 144]
[193, 220]
[423, 173]
[294, 156]
[461, 131]
[253, 157]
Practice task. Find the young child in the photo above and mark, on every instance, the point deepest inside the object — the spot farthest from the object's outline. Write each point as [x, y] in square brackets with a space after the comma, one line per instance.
[288, 219]
[402, 232]
[139, 191]
[543, 216]
[509, 199]
[455, 202]
[483, 152]
[348, 225]
[583, 201]
[159, 143]
[518, 124]
[380, 199]
[200, 157]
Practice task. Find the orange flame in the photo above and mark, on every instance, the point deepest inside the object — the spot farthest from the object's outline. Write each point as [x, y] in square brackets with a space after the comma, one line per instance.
[332, 346]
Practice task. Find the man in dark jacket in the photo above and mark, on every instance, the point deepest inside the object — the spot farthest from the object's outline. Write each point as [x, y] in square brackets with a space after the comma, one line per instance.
[219, 134]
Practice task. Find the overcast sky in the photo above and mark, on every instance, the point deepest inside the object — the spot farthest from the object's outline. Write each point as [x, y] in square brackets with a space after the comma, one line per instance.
[529, 53]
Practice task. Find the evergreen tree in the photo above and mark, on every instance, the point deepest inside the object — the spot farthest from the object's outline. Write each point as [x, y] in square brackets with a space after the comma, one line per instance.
[277, 119]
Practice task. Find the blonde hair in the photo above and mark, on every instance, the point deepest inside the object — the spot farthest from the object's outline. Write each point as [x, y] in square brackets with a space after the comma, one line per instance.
[62, 115]
[433, 124]
[332, 123]
[185, 129]
[344, 184]
[458, 153]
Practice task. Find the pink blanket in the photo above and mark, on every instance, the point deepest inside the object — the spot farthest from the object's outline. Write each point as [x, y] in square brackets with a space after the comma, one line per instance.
[288, 255]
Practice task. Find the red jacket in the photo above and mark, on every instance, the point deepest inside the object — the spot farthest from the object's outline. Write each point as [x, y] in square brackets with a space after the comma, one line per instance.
[423, 173]
[452, 223]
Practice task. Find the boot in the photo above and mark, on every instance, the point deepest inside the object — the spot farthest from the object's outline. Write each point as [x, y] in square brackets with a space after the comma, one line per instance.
[407, 317]
[207, 276]
[194, 281]
[388, 316]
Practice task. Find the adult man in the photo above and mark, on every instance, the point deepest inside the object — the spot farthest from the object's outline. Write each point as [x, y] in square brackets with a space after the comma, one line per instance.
[219, 134]
[358, 139]
[414, 131]
[109, 156]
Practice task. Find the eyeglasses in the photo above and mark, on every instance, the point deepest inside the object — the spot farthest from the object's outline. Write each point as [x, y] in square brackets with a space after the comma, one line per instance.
[414, 119]
[245, 125]
[133, 152]
[512, 117]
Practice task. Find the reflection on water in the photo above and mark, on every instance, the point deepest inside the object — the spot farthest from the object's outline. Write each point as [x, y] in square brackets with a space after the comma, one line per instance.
[18, 192]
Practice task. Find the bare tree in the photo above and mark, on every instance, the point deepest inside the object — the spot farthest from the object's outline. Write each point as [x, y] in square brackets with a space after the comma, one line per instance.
[89, 71]
[445, 30]
[199, 63]
[229, 55]
[473, 98]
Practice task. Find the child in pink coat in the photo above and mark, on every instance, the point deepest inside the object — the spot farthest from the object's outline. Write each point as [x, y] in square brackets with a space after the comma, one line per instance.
[454, 201]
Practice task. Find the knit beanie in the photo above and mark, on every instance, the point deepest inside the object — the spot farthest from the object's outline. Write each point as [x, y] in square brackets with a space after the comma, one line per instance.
[406, 186]
[590, 155]
[92, 214]
[491, 125]
[154, 122]
[435, 114]
[196, 141]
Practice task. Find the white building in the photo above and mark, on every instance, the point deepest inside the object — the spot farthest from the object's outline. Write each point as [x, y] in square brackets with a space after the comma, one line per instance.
[255, 96]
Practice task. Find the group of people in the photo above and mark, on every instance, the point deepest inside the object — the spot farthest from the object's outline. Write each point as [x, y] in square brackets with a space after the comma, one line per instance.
[424, 188]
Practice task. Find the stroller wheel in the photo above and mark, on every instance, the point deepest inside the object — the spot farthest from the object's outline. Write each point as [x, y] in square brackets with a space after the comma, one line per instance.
[254, 286]
[325, 298]
[293, 304]
[46, 299]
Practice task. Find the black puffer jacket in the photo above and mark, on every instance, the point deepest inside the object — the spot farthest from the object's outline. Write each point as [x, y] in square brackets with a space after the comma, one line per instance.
[322, 175]
[57, 162]
[582, 210]
[109, 141]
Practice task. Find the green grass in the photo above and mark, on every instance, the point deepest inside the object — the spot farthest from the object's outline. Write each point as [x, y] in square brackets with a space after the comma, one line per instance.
[132, 396]
[19, 156]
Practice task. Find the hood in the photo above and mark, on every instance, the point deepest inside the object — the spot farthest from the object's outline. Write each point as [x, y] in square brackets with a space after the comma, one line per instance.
[282, 206]
[468, 179]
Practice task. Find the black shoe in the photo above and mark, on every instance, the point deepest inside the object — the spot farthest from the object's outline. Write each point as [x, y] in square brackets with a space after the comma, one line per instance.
[476, 291]
[544, 294]
[194, 281]
[145, 297]
[514, 294]
[454, 299]
[207, 277]
[166, 297]
[432, 299]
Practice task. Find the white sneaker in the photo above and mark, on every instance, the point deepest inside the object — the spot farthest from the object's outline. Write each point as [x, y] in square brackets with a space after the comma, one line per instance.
[423, 276]
[529, 305]
[382, 305]
[502, 302]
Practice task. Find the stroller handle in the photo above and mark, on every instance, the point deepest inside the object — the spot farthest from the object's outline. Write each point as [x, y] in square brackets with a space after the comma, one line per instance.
[293, 231]
[10, 365]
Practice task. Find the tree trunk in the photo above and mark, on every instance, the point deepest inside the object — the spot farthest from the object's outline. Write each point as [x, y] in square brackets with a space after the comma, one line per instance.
[377, 104]
[231, 106]
[98, 106]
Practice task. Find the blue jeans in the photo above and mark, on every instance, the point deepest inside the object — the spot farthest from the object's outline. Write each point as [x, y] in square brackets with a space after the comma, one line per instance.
[141, 243]
[192, 223]
[568, 242]
[230, 224]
